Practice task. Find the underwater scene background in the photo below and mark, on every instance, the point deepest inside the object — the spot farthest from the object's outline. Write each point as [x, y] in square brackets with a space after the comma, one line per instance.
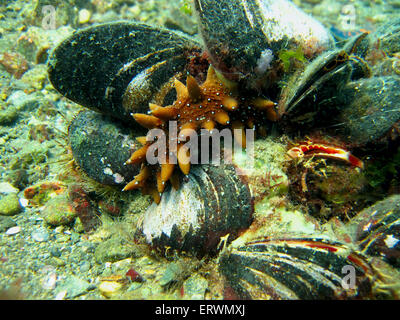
[308, 208]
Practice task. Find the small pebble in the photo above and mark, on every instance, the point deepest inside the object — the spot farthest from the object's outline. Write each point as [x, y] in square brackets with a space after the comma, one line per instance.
[114, 249]
[13, 230]
[40, 235]
[58, 211]
[84, 16]
[75, 237]
[134, 286]
[50, 277]
[74, 287]
[23, 202]
[49, 281]
[59, 229]
[9, 205]
[85, 266]
[5, 187]
[57, 262]
[61, 295]
[55, 252]
[110, 288]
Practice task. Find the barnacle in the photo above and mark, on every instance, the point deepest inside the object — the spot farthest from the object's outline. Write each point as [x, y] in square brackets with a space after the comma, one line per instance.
[198, 106]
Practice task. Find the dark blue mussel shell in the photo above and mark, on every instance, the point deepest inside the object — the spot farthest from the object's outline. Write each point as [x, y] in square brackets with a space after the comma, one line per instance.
[349, 92]
[101, 154]
[377, 230]
[295, 268]
[212, 202]
[370, 109]
[244, 37]
[118, 68]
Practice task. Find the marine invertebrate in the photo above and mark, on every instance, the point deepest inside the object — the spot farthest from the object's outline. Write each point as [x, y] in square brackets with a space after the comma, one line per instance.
[326, 179]
[213, 202]
[311, 149]
[266, 24]
[84, 208]
[197, 106]
[377, 230]
[150, 76]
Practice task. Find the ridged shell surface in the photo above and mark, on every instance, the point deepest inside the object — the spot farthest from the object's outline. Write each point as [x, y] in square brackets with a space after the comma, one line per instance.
[245, 36]
[377, 230]
[94, 66]
[211, 202]
[295, 268]
[101, 154]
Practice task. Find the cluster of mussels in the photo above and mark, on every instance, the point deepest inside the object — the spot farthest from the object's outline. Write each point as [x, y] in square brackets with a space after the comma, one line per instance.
[132, 74]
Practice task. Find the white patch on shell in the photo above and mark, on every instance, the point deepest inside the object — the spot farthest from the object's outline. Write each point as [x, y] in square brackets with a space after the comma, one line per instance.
[391, 241]
[264, 62]
[282, 20]
[108, 171]
[117, 177]
[182, 208]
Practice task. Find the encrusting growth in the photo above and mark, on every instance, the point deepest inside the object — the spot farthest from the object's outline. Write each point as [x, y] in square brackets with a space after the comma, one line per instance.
[198, 106]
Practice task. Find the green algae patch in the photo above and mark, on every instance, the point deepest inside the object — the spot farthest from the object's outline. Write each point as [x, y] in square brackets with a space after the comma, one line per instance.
[9, 205]
[287, 56]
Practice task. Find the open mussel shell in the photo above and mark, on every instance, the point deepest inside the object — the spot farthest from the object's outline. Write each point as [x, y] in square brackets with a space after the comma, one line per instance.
[212, 202]
[295, 268]
[350, 89]
[377, 230]
[369, 110]
[100, 146]
[95, 66]
[302, 99]
[312, 95]
[244, 38]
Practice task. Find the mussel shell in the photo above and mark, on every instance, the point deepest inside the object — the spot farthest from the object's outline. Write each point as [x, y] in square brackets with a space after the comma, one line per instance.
[296, 268]
[302, 100]
[212, 201]
[101, 146]
[237, 32]
[312, 96]
[94, 66]
[377, 230]
[336, 93]
[358, 45]
[369, 109]
[386, 37]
